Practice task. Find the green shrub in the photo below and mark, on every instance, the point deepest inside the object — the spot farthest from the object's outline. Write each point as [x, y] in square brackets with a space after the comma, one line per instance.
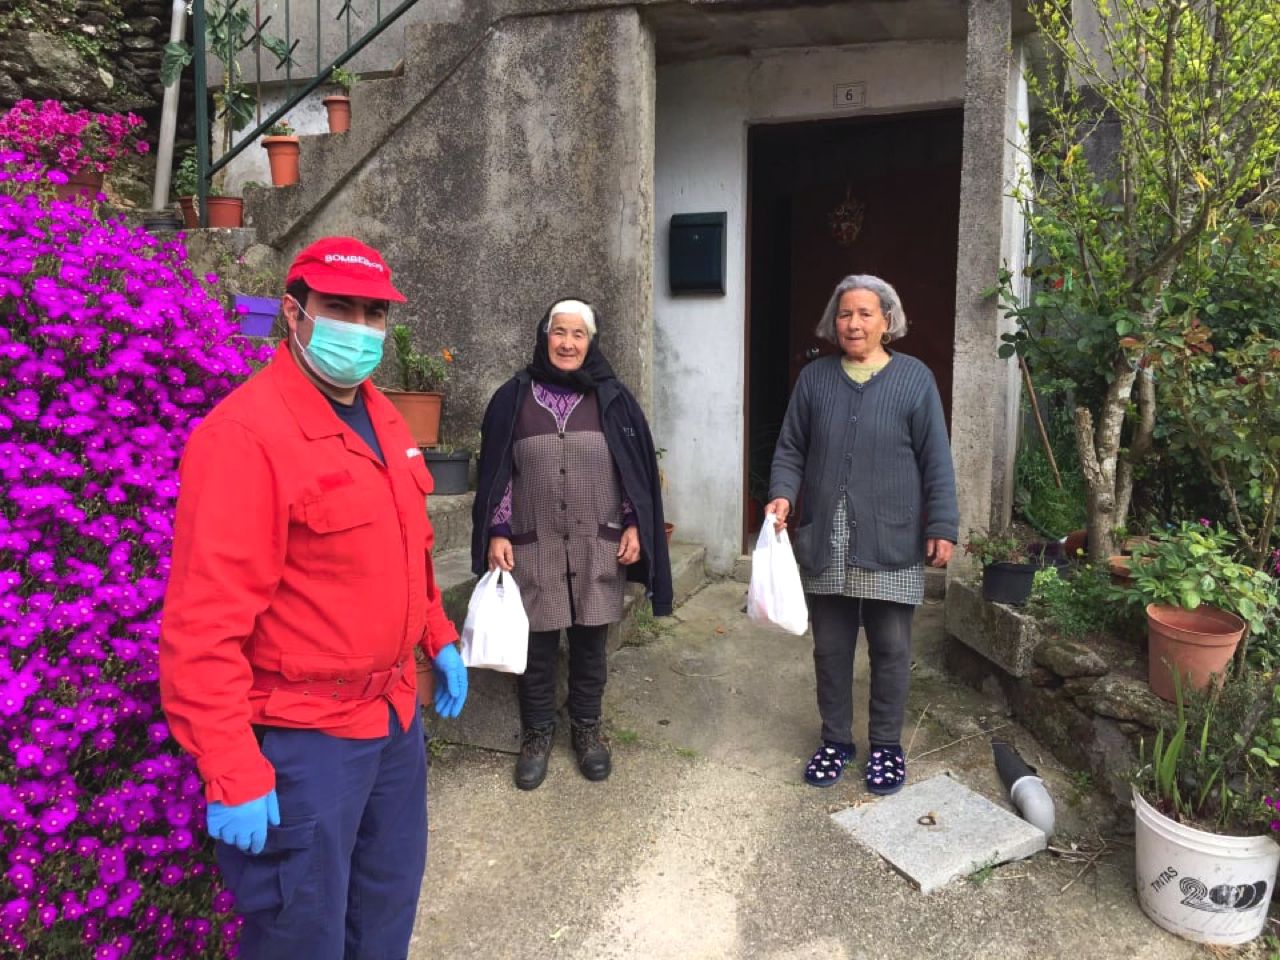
[1083, 604]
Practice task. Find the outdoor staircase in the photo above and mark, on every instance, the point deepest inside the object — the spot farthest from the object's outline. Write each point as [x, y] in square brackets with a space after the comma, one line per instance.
[379, 108]
[491, 718]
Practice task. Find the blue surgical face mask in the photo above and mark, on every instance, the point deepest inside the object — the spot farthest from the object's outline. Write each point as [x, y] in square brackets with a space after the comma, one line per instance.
[341, 354]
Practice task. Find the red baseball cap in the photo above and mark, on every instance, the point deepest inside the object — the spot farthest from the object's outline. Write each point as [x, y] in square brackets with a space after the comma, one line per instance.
[346, 267]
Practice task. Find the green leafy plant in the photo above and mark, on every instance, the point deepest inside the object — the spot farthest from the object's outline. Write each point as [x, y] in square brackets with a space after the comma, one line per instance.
[185, 177]
[281, 128]
[470, 443]
[989, 548]
[1215, 765]
[1191, 91]
[1228, 405]
[1196, 563]
[419, 372]
[230, 29]
[1082, 605]
[344, 78]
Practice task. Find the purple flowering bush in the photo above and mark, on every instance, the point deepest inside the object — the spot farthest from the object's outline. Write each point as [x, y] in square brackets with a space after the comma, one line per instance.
[110, 352]
[50, 136]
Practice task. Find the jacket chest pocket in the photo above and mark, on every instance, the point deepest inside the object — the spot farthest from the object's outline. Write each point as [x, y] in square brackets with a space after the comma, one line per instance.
[338, 535]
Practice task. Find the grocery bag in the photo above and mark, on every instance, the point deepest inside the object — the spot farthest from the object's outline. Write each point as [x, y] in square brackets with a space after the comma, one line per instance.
[496, 633]
[775, 594]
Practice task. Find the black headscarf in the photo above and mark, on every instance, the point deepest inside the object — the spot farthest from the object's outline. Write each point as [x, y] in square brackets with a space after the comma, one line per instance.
[594, 369]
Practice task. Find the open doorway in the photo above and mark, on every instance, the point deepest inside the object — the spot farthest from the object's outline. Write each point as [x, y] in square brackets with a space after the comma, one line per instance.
[878, 195]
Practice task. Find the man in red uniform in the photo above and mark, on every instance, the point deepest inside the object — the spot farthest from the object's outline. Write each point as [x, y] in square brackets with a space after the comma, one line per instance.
[301, 583]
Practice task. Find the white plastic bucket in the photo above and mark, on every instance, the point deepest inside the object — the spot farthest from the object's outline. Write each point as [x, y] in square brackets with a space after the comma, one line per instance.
[1202, 886]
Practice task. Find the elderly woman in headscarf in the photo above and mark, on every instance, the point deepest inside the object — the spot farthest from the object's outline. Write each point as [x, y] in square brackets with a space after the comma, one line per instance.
[864, 451]
[569, 503]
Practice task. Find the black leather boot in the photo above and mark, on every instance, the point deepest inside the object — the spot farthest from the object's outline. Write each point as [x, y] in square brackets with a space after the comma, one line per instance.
[593, 753]
[535, 750]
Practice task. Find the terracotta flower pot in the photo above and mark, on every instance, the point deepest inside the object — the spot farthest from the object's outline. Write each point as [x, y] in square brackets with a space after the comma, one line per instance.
[339, 107]
[1197, 643]
[85, 182]
[225, 212]
[426, 681]
[190, 219]
[282, 154]
[421, 411]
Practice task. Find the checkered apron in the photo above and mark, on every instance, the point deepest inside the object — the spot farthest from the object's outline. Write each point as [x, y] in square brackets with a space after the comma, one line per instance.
[566, 518]
[840, 579]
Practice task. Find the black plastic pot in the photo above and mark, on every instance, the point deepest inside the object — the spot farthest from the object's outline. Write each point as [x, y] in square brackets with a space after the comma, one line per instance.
[1008, 582]
[449, 470]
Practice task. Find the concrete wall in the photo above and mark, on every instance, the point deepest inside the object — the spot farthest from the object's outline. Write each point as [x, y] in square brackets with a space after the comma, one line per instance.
[703, 112]
[985, 391]
[699, 344]
[526, 178]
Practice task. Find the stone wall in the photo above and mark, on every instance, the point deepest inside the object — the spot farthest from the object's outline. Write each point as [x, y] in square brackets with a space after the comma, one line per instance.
[526, 177]
[1088, 702]
[100, 54]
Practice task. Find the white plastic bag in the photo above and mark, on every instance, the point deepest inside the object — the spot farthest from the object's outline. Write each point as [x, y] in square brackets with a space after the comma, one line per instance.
[775, 594]
[496, 633]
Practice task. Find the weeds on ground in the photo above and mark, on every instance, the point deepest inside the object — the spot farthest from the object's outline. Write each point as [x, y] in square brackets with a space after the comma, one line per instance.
[688, 753]
[1081, 787]
[626, 737]
[982, 874]
[646, 627]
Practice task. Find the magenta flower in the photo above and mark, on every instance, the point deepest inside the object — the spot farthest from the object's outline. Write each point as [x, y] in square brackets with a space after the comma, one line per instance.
[111, 350]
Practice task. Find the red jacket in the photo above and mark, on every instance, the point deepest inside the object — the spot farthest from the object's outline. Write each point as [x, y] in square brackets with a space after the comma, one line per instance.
[298, 558]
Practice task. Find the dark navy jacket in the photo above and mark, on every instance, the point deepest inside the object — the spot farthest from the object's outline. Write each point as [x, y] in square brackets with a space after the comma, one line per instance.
[631, 445]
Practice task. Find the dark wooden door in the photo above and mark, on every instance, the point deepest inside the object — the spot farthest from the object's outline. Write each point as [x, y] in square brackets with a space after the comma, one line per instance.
[908, 237]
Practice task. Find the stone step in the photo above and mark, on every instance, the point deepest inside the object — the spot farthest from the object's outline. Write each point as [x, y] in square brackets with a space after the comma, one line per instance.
[935, 580]
[379, 109]
[491, 718]
[451, 520]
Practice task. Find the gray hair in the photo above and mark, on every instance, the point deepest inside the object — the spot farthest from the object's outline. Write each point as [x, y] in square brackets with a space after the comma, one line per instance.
[890, 306]
[575, 308]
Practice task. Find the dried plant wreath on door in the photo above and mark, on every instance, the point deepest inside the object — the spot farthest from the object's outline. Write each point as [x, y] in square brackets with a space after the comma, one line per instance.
[846, 219]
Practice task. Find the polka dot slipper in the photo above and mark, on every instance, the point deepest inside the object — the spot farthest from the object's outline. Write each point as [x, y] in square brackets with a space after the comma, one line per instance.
[886, 770]
[827, 764]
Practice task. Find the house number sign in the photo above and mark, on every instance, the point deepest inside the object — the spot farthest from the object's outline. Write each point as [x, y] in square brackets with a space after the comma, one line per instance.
[850, 96]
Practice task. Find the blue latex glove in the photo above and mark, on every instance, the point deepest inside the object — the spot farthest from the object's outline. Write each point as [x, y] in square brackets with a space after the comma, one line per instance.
[244, 825]
[451, 682]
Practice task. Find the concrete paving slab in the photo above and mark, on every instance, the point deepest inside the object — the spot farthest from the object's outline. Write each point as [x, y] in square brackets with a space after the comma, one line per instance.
[705, 843]
[938, 830]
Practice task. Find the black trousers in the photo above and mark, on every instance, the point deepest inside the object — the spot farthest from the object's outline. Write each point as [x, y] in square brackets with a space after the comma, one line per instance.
[835, 622]
[588, 670]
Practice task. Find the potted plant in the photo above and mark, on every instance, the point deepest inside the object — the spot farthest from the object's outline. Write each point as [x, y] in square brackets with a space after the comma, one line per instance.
[418, 397]
[1199, 601]
[338, 105]
[1006, 575]
[257, 315]
[450, 466]
[77, 147]
[282, 148]
[224, 212]
[184, 188]
[668, 527]
[1207, 813]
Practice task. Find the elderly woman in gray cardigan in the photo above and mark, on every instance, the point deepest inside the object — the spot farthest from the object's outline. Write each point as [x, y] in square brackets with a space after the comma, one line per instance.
[864, 451]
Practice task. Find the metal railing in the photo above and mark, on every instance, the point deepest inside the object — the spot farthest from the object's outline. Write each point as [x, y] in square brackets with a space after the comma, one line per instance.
[225, 30]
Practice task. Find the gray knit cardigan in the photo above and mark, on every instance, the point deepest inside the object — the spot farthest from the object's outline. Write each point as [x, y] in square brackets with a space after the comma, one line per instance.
[884, 446]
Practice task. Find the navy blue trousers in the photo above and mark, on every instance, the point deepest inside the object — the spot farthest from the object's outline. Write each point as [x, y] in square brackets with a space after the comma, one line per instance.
[339, 878]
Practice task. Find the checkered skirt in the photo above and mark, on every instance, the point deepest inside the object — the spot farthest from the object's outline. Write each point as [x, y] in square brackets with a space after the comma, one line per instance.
[839, 579]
